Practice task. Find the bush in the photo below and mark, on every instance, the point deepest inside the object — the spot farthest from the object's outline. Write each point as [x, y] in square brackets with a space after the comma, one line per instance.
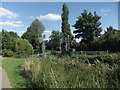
[7, 53]
[23, 48]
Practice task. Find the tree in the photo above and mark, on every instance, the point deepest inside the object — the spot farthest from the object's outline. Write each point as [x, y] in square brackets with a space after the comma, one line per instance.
[23, 48]
[8, 40]
[108, 41]
[34, 33]
[55, 40]
[65, 25]
[87, 26]
[110, 31]
[111, 39]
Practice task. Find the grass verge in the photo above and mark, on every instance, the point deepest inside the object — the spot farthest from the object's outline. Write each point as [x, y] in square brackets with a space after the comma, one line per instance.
[12, 68]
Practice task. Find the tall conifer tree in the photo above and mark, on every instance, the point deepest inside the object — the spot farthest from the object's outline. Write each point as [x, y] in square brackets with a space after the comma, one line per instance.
[65, 23]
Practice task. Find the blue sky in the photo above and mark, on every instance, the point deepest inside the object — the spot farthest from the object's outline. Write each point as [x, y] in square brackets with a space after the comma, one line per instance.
[17, 16]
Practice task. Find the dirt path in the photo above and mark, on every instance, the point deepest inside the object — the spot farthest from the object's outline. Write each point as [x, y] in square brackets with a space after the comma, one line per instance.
[4, 81]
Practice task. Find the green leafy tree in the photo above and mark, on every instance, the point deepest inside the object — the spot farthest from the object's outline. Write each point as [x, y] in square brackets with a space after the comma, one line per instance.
[111, 39]
[34, 34]
[65, 24]
[110, 31]
[87, 26]
[23, 48]
[8, 40]
[55, 40]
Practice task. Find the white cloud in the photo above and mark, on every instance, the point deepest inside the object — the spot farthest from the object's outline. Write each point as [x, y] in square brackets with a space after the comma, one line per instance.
[105, 11]
[12, 23]
[30, 17]
[17, 22]
[47, 33]
[50, 17]
[7, 13]
[106, 14]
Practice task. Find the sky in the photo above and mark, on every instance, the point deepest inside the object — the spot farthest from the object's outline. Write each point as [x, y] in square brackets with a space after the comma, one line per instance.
[17, 16]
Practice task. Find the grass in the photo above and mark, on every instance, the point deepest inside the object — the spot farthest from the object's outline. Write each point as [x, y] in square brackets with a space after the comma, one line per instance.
[56, 72]
[11, 66]
[111, 59]
[62, 72]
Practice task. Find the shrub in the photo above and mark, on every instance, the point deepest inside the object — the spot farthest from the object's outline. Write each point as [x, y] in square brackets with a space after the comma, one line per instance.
[23, 48]
[7, 53]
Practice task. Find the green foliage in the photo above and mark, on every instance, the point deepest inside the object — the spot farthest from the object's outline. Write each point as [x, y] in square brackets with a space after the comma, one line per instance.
[0, 52]
[65, 23]
[110, 59]
[110, 31]
[12, 68]
[34, 33]
[23, 48]
[87, 26]
[7, 53]
[8, 40]
[113, 76]
[110, 41]
[55, 72]
[54, 42]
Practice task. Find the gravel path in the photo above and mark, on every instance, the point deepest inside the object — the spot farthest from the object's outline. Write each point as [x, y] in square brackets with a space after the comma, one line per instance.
[4, 81]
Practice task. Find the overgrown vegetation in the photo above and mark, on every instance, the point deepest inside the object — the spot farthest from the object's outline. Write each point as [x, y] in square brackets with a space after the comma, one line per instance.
[56, 72]
[111, 59]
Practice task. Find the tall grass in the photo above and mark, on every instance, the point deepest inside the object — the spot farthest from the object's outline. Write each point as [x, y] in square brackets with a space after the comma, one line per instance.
[56, 72]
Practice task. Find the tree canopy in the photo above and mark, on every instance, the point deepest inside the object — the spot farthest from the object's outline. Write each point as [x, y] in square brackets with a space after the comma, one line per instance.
[9, 39]
[87, 26]
[34, 34]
